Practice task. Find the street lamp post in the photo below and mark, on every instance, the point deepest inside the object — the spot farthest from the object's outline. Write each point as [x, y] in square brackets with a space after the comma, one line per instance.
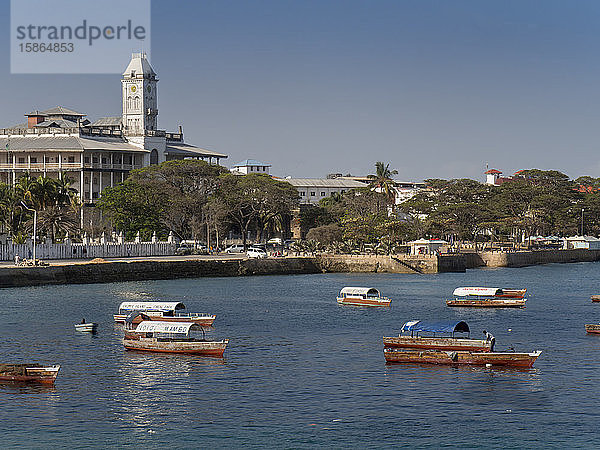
[582, 209]
[34, 229]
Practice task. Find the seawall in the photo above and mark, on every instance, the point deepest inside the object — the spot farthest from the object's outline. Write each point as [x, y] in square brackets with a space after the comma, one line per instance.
[110, 272]
[530, 258]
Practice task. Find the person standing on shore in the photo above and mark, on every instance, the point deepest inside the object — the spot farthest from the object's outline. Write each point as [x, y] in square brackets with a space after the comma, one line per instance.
[16, 260]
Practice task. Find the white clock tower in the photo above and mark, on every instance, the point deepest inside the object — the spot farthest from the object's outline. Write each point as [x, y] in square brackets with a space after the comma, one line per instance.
[139, 96]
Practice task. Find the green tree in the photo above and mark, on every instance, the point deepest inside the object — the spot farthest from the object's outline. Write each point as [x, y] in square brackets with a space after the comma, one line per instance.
[382, 180]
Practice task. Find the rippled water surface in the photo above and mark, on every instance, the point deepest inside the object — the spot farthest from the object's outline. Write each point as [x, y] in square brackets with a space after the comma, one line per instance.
[302, 371]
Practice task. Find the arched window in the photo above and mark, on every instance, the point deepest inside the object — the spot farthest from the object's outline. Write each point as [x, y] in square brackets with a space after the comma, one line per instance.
[154, 156]
[137, 102]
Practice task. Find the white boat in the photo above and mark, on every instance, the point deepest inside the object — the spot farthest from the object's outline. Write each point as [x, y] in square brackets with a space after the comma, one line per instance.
[362, 296]
[164, 311]
[89, 327]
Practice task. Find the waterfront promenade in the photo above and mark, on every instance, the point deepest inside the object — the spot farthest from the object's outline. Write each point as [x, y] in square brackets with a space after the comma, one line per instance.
[107, 270]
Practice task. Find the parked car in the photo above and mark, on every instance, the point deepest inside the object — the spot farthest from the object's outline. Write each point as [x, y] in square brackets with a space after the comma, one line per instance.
[183, 250]
[237, 248]
[256, 253]
[276, 241]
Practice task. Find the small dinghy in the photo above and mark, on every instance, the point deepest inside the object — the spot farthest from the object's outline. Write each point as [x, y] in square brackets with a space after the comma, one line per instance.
[87, 327]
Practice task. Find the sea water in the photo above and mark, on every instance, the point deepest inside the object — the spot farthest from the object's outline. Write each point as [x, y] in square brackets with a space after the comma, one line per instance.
[302, 371]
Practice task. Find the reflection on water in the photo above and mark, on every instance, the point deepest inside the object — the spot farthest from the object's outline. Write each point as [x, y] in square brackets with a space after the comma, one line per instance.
[303, 371]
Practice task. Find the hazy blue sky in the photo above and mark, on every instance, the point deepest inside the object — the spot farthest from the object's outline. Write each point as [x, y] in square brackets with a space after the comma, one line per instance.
[435, 88]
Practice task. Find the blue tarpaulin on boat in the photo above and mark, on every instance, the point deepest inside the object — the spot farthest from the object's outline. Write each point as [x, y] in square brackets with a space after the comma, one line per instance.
[436, 327]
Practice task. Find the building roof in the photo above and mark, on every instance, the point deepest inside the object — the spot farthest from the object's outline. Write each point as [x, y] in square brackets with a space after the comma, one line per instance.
[139, 65]
[251, 162]
[107, 122]
[65, 143]
[192, 151]
[324, 182]
[492, 171]
[56, 123]
[56, 111]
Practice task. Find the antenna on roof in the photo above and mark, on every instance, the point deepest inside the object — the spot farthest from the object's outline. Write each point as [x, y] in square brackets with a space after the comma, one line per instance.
[486, 166]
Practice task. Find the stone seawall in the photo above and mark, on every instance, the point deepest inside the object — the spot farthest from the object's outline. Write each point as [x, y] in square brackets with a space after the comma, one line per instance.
[392, 264]
[522, 259]
[110, 272]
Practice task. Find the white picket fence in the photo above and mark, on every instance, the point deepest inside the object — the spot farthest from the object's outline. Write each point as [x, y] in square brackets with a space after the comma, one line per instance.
[79, 251]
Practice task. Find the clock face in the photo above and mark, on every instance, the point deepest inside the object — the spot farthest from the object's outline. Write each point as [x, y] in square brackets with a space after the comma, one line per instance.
[133, 88]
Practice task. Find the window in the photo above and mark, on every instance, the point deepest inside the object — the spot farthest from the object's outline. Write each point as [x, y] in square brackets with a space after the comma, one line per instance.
[21, 160]
[95, 180]
[322, 193]
[312, 194]
[95, 159]
[71, 159]
[103, 160]
[86, 159]
[302, 194]
[34, 160]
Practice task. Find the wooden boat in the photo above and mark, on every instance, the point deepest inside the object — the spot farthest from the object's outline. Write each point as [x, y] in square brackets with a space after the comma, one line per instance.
[412, 336]
[513, 293]
[506, 359]
[362, 296]
[486, 298]
[165, 311]
[89, 327]
[595, 298]
[593, 328]
[28, 373]
[170, 337]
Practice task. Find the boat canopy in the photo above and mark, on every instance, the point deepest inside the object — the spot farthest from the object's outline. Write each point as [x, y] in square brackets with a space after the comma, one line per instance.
[445, 326]
[155, 326]
[477, 291]
[151, 306]
[369, 292]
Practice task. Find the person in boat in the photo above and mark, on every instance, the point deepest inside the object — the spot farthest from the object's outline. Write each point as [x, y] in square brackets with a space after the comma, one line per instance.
[82, 321]
[489, 337]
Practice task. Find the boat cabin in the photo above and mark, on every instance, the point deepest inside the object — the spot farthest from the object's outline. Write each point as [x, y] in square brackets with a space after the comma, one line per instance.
[165, 308]
[477, 292]
[416, 327]
[359, 292]
[164, 330]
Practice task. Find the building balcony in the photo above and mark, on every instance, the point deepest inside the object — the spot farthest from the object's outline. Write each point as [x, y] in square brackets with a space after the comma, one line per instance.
[112, 166]
[40, 167]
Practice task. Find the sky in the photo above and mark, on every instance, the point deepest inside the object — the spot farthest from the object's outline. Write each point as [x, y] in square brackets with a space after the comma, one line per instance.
[437, 89]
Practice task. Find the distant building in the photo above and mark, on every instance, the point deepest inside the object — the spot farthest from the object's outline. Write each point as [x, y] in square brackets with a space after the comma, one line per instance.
[311, 190]
[251, 166]
[426, 246]
[100, 154]
[587, 242]
[403, 190]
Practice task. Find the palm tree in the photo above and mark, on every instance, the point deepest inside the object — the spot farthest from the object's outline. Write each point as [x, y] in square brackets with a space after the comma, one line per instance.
[56, 220]
[382, 180]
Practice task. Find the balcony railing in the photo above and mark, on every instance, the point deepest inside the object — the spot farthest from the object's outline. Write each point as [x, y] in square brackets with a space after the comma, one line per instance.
[40, 167]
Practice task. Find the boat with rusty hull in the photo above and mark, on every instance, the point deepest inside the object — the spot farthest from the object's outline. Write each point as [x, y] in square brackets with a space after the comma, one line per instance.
[164, 311]
[28, 373]
[487, 297]
[592, 328]
[499, 359]
[169, 337]
[419, 334]
[362, 296]
[595, 298]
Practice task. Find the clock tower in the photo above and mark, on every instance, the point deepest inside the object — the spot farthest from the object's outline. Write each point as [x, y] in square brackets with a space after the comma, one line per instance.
[139, 96]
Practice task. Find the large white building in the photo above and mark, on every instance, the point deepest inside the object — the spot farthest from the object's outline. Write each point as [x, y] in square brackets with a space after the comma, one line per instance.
[311, 190]
[60, 141]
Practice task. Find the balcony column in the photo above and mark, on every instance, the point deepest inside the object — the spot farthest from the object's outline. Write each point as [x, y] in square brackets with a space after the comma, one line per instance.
[59, 161]
[91, 185]
[29, 162]
[100, 184]
[81, 186]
